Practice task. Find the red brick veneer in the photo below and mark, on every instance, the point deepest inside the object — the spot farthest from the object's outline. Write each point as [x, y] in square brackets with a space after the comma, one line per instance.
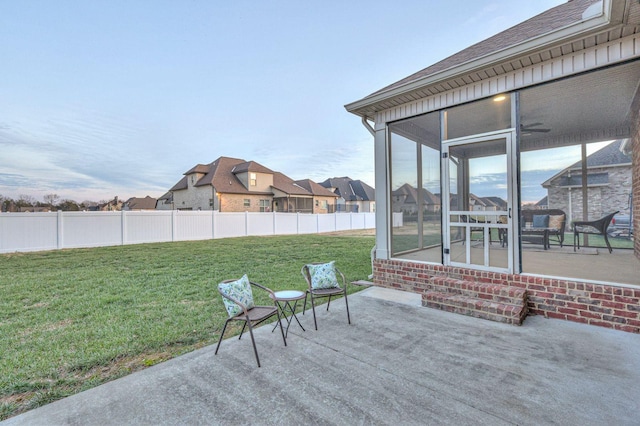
[596, 304]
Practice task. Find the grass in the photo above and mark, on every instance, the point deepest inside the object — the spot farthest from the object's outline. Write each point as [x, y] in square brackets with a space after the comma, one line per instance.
[73, 319]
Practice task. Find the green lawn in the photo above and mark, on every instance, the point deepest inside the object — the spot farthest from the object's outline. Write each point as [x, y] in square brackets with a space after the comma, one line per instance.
[73, 319]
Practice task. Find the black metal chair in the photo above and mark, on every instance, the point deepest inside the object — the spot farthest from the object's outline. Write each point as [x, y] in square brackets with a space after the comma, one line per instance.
[251, 316]
[595, 227]
[334, 290]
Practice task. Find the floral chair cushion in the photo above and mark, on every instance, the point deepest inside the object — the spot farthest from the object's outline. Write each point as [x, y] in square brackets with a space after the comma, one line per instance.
[555, 221]
[239, 290]
[323, 275]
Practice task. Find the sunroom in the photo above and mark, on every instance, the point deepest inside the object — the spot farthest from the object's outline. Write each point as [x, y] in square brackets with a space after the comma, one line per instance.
[503, 149]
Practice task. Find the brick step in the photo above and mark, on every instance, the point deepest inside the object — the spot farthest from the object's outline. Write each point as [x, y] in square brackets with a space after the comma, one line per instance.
[480, 300]
[494, 292]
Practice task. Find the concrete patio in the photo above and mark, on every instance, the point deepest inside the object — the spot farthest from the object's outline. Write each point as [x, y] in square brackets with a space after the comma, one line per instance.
[397, 364]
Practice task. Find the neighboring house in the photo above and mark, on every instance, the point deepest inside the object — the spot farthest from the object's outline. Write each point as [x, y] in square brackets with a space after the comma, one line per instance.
[565, 78]
[110, 206]
[324, 200]
[134, 203]
[32, 209]
[542, 204]
[165, 202]
[235, 185]
[609, 174]
[407, 200]
[486, 203]
[354, 195]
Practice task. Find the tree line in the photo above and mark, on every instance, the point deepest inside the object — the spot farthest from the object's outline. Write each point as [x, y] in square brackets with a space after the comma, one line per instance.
[52, 202]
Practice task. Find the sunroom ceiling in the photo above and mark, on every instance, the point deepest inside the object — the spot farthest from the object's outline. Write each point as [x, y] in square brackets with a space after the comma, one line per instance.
[588, 108]
[592, 107]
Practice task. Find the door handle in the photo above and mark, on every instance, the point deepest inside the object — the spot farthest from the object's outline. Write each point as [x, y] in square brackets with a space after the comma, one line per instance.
[509, 212]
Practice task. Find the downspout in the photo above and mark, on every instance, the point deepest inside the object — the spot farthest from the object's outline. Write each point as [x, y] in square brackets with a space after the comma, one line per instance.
[367, 126]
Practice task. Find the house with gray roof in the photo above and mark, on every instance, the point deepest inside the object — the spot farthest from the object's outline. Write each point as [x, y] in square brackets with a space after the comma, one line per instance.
[609, 174]
[235, 185]
[527, 100]
[354, 195]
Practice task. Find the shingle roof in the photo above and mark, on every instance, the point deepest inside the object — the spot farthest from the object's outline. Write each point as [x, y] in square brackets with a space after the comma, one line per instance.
[411, 194]
[496, 201]
[251, 166]
[517, 40]
[221, 177]
[315, 188]
[286, 184]
[552, 19]
[349, 189]
[221, 174]
[609, 155]
[146, 203]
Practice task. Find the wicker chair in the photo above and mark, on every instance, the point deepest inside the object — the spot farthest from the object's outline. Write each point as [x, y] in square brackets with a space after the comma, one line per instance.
[251, 316]
[333, 289]
[597, 227]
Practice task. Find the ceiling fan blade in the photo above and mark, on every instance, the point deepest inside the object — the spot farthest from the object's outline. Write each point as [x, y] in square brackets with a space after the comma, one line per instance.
[532, 128]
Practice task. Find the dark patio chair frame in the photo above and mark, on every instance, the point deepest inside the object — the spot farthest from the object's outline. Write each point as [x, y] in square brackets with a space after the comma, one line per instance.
[594, 227]
[251, 317]
[324, 292]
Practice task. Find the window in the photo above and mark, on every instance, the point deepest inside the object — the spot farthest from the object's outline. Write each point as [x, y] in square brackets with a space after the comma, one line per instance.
[577, 166]
[247, 202]
[252, 179]
[265, 205]
[573, 164]
[415, 192]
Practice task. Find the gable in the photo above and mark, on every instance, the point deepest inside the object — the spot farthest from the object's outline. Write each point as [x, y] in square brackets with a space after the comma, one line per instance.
[572, 30]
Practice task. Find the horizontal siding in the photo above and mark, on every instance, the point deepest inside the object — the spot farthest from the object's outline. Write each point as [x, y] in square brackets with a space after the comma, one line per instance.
[534, 73]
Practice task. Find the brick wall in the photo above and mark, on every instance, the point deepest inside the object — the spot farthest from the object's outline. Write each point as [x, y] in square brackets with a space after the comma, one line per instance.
[235, 202]
[608, 306]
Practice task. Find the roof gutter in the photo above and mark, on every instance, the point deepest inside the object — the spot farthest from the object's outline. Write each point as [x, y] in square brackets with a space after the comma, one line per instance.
[367, 126]
[612, 13]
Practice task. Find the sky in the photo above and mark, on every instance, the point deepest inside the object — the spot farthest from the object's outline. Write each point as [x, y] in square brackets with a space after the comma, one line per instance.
[104, 98]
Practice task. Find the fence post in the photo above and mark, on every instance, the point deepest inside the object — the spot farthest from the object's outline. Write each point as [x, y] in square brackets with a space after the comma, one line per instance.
[246, 223]
[274, 222]
[60, 230]
[213, 224]
[173, 224]
[123, 224]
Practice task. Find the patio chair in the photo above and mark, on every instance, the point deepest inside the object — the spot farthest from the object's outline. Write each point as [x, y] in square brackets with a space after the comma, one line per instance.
[322, 281]
[238, 300]
[596, 227]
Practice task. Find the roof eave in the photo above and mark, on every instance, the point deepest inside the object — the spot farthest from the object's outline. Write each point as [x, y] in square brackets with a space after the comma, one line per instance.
[612, 14]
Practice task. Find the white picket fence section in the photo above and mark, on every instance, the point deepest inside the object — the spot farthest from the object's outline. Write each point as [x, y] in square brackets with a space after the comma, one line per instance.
[21, 232]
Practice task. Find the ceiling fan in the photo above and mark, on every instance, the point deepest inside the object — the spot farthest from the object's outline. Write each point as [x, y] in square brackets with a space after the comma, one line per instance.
[533, 128]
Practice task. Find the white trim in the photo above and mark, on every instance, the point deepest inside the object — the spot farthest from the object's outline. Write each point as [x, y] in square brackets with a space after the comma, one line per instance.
[609, 17]
[509, 137]
[585, 60]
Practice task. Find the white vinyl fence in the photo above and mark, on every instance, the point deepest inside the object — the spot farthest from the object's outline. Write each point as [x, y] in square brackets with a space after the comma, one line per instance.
[58, 230]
